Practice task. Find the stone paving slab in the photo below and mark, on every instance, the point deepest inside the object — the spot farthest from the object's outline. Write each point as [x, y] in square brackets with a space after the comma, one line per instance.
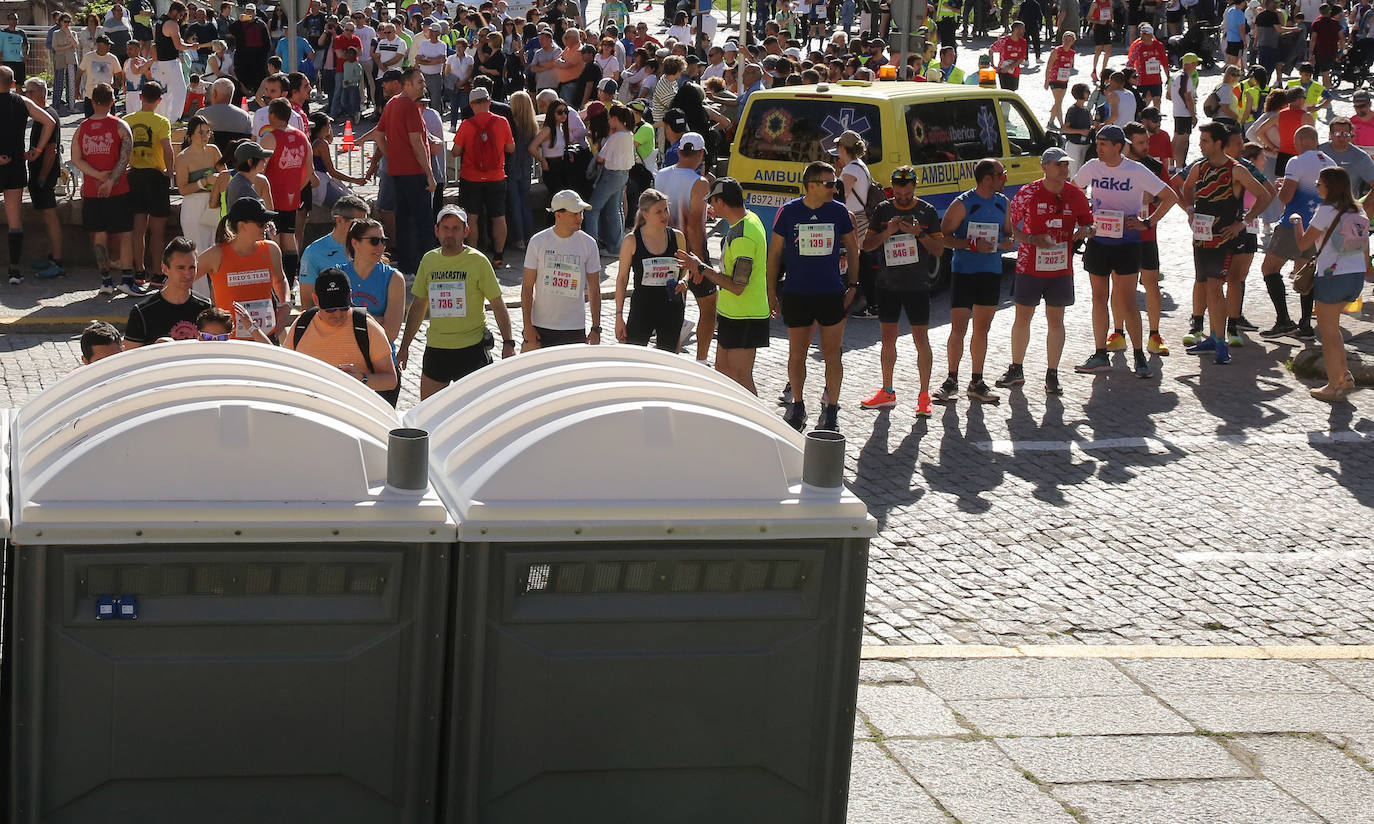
[1084, 759]
[1316, 773]
[907, 711]
[998, 678]
[1170, 678]
[1093, 715]
[1358, 674]
[977, 783]
[1186, 802]
[1267, 712]
[881, 792]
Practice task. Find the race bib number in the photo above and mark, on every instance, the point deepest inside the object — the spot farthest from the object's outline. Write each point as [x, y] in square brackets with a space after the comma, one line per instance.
[815, 239]
[901, 250]
[564, 278]
[448, 299]
[1202, 227]
[1052, 259]
[657, 271]
[1064, 74]
[1109, 223]
[1153, 67]
[983, 231]
[1007, 66]
[264, 317]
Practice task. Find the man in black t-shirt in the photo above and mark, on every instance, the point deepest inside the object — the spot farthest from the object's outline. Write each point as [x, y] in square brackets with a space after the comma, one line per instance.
[907, 231]
[170, 313]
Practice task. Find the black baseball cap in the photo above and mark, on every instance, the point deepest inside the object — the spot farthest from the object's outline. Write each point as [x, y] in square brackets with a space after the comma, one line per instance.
[675, 119]
[332, 289]
[250, 209]
[392, 75]
[727, 188]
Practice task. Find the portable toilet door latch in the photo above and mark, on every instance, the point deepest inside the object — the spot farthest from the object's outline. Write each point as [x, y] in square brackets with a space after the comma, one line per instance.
[116, 608]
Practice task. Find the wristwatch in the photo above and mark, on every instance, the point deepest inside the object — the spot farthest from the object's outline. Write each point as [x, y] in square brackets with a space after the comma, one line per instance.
[596, 329]
[507, 342]
[1146, 223]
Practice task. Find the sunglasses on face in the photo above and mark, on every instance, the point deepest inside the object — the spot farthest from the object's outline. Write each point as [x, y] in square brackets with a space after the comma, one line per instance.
[213, 336]
[336, 310]
[829, 184]
[374, 240]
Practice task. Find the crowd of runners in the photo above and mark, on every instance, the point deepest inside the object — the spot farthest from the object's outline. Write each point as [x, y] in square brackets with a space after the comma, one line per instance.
[623, 124]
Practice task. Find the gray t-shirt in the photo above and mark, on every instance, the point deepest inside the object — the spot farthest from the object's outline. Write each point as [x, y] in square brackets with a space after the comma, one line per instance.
[224, 117]
[544, 80]
[1356, 163]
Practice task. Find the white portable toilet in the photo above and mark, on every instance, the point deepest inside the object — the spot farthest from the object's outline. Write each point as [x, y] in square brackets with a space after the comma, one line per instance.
[663, 620]
[224, 613]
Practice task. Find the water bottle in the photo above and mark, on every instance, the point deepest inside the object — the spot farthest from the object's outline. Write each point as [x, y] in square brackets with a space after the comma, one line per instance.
[673, 296]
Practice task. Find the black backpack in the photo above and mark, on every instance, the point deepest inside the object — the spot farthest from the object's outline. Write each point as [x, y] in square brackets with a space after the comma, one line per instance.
[359, 331]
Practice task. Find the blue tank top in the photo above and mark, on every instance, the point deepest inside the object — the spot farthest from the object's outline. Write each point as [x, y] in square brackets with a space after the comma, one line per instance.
[370, 292]
[980, 210]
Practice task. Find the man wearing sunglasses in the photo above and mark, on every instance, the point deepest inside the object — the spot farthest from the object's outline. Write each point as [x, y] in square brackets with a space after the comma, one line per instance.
[1353, 159]
[335, 330]
[808, 235]
[1363, 122]
[172, 311]
[907, 230]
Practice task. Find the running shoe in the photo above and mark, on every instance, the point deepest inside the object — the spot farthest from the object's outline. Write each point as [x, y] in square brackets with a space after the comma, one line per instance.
[830, 418]
[1157, 346]
[1304, 332]
[923, 405]
[1014, 376]
[1116, 342]
[980, 392]
[107, 287]
[785, 396]
[1204, 346]
[52, 270]
[15, 277]
[1095, 363]
[1234, 339]
[1223, 354]
[1142, 369]
[1193, 336]
[1245, 325]
[796, 416]
[882, 399]
[859, 309]
[1280, 329]
[1052, 386]
[947, 391]
[132, 289]
[686, 333]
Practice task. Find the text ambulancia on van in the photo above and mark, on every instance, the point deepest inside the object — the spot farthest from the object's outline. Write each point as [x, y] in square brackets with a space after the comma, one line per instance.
[943, 130]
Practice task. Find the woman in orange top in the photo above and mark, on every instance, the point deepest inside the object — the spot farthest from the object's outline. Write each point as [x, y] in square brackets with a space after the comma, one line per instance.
[245, 268]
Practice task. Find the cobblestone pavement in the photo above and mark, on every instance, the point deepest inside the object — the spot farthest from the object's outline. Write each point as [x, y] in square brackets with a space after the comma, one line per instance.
[1045, 741]
[1208, 505]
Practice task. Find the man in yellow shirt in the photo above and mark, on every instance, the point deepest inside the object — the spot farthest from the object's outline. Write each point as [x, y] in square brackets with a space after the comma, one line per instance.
[452, 285]
[150, 171]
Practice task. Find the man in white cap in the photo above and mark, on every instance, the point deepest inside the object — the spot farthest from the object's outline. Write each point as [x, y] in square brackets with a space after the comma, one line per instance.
[451, 286]
[1150, 59]
[559, 264]
[430, 55]
[686, 190]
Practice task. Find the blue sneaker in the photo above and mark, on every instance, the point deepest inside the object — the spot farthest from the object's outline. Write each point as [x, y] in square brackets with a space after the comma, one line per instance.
[1202, 347]
[53, 269]
[1096, 363]
[1223, 353]
[1142, 369]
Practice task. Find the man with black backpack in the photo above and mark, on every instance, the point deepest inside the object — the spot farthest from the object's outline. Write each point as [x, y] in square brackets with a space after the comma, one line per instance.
[482, 143]
[337, 333]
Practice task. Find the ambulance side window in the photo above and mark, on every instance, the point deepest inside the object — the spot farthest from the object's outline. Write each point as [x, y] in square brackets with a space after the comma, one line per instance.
[1023, 137]
[949, 131]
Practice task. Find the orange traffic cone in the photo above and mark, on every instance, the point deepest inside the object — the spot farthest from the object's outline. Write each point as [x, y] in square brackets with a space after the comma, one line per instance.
[348, 137]
[243, 104]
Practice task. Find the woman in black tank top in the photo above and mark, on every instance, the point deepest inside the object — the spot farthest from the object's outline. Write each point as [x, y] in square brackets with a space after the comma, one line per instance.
[648, 253]
[166, 50]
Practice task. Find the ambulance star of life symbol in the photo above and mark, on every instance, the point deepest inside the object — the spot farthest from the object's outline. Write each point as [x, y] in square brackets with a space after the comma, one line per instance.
[836, 126]
[987, 126]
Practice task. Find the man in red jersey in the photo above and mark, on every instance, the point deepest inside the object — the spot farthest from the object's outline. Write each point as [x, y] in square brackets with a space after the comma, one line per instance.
[287, 173]
[101, 149]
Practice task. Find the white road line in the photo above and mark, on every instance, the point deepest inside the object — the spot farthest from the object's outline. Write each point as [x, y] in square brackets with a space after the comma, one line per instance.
[1183, 442]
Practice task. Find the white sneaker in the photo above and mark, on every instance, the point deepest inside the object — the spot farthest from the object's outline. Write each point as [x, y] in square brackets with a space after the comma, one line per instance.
[686, 333]
[107, 287]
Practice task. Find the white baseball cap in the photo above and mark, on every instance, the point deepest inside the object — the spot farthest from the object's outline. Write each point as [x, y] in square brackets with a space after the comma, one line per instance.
[692, 142]
[451, 211]
[568, 201]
